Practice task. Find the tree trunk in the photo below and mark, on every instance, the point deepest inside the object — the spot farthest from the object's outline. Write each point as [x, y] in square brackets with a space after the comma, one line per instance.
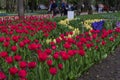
[7, 6]
[20, 8]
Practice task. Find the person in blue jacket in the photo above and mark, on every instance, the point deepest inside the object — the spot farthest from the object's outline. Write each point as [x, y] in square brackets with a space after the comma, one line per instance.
[54, 8]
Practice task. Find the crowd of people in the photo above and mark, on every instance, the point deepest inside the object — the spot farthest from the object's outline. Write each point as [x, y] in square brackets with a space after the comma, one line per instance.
[62, 9]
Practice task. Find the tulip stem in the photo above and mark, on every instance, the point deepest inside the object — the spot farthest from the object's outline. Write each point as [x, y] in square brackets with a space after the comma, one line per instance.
[9, 77]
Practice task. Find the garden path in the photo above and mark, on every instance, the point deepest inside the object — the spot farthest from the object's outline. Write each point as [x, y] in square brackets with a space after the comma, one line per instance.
[108, 69]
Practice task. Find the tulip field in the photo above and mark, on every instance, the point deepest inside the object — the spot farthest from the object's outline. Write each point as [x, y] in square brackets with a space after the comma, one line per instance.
[41, 48]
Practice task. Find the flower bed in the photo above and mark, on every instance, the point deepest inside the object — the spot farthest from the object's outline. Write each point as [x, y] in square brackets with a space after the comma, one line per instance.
[25, 55]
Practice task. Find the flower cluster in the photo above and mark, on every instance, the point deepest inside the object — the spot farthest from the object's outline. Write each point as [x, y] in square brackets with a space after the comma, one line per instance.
[117, 24]
[98, 25]
[87, 23]
[25, 55]
[75, 31]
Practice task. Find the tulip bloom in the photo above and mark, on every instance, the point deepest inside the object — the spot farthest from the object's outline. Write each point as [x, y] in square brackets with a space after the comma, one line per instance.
[13, 70]
[53, 71]
[2, 76]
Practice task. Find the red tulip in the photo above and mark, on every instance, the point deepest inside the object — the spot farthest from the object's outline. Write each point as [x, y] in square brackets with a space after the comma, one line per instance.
[2, 76]
[9, 59]
[23, 64]
[6, 44]
[96, 47]
[103, 43]
[3, 54]
[111, 39]
[13, 70]
[2, 39]
[15, 38]
[83, 40]
[46, 34]
[7, 39]
[49, 62]
[17, 57]
[58, 40]
[71, 53]
[36, 41]
[52, 43]
[53, 71]
[23, 79]
[33, 46]
[81, 52]
[42, 57]
[22, 73]
[67, 45]
[53, 47]
[32, 65]
[56, 55]
[21, 44]
[64, 55]
[14, 48]
[48, 51]
[94, 36]
[60, 66]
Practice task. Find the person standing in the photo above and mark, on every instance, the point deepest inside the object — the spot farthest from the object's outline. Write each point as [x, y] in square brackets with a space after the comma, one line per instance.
[54, 8]
[49, 10]
[64, 7]
[100, 8]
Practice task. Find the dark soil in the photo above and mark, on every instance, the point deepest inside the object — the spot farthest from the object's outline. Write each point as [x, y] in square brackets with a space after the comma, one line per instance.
[108, 69]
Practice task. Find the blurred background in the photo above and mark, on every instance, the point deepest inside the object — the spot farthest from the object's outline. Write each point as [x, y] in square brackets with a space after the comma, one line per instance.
[42, 6]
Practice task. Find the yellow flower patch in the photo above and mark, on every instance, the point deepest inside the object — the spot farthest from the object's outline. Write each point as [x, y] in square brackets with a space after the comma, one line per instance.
[87, 23]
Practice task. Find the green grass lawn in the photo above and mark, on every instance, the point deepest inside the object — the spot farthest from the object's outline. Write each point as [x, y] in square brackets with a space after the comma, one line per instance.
[110, 20]
[2, 11]
[115, 15]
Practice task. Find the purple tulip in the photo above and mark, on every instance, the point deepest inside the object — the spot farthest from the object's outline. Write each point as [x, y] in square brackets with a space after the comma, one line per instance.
[117, 24]
[98, 25]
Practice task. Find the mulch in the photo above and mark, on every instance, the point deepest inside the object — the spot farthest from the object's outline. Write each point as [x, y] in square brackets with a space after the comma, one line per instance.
[107, 69]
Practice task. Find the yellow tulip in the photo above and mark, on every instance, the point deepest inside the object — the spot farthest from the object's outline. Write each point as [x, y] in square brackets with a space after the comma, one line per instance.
[48, 41]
